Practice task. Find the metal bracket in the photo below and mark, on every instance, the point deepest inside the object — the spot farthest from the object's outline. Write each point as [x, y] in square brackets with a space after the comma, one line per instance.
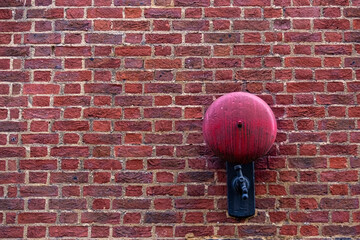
[241, 190]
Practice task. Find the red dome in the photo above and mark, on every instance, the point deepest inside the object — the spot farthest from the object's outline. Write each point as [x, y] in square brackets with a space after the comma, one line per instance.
[239, 127]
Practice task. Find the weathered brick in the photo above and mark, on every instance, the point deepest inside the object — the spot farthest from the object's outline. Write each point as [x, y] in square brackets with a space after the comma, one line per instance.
[308, 189]
[35, 217]
[102, 191]
[125, 231]
[11, 232]
[11, 204]
[68, 231]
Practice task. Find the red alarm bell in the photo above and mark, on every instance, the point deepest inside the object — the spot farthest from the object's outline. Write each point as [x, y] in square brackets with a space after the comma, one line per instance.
[239, 127]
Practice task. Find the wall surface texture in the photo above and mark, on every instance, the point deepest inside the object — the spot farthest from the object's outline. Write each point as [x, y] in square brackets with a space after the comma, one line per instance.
[101, 106]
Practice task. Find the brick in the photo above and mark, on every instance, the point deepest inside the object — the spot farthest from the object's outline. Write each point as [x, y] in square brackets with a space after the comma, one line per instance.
[102, 191]
[11, 232]
[333, 74]
[169, 164]
[302, 62]
[222, 12]
[69, 151]
[71, 101]
[222, 62]
[162, 63]
[132, 177]
[131, 204]
[11, 152]
[352, 12]
[72, 76]
[11, 204]
[192, 51]
[11, 126]
[103, 88]
[332, 149]
[40, 138]
[135, 76]
[328, 203]
[333, 49]
[221, 37]
[36, 217]
[331, 24]
[133, 51]
[337, 230]
[191, 25]
[162, 13]
[162, 88]
[38, 164]
[132, 2]
[133, 101]
[314, 217]
[181, 231]
[68, 231]
[72, 25]
[194, 75]
[307, 189]
[306, 12]
[163, 38]
[15, 26]
[104, 13]
[125, 231]
[252, 3]
[70, 126]
[42, 38]
[78, 177]
[302, 37]
[111, 113]
[222, 88]
[131, 26]
[45, 13]
[160, 217]
[251, 50]
[260, 230]
[99, 231]
[133, 126]
[195, 3]
[133, 151]
[101, 218]
[36, 232]
[38, 191]
[103, 38]
[41, 89]
[14, 51]
[251, 75]
[71, 3]
[14, 76]
[335, 124]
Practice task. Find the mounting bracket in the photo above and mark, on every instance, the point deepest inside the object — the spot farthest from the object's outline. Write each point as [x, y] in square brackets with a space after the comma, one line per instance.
[240, 189]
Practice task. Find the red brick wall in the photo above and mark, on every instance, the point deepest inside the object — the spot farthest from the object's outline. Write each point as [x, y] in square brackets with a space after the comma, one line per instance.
[101, 106]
